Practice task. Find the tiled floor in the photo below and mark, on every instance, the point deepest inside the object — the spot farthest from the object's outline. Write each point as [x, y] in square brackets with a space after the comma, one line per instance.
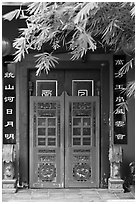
[67, 195]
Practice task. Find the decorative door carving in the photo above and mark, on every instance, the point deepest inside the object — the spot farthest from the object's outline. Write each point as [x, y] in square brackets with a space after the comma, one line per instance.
[46, 142]
[64, 130]
[82, 141]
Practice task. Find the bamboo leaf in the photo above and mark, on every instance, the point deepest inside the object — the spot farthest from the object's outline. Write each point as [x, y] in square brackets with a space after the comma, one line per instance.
[133, 12]
[130, 89]
[45, 61]
[122, 105]
[13, 14]
[125, 69]
[84, 12]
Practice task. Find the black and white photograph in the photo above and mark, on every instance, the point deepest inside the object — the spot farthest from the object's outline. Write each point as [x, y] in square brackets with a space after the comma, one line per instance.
[68, 101]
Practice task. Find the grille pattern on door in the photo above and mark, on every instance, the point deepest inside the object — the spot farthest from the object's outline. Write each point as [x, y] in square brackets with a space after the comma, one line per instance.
[48, 123]
[82, 142]
[64, 149]
[46, 166]
[82, 123]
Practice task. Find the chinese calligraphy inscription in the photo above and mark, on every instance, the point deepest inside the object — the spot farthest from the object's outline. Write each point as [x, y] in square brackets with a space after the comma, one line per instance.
[9, 107]
[120, 112]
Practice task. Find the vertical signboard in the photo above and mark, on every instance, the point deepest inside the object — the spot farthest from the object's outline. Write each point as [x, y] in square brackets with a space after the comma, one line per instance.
[120, 112]
[9, 106]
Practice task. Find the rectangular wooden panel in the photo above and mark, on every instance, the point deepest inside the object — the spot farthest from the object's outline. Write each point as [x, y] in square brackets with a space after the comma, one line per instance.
[81, 141]
[46, 142]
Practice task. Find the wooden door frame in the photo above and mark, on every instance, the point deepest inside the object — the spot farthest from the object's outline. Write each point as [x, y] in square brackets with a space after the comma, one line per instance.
[22, 115]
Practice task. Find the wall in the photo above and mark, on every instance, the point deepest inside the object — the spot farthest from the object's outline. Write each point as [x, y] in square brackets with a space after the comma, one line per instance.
[129, 148]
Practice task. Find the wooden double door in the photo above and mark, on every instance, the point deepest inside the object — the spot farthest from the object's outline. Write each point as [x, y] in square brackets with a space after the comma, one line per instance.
[64, 130]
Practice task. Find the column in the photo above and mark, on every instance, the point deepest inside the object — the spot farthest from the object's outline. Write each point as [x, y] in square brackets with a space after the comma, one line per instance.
[115, 183]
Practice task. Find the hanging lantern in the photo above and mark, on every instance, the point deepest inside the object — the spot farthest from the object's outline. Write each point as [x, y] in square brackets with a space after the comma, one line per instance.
[6, 46]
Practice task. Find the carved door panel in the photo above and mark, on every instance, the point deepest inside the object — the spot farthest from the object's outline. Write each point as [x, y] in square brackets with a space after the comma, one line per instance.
[64, 130]
[46, 142]
[81, 141]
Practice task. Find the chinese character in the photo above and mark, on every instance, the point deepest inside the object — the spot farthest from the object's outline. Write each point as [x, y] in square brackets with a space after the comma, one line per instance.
[10, 99]
[9, 87]
[9, 74]
[119, 99]
[9, 111]
[9, 136]
[120, 136]
[82, 92]
[120, 111]
[9, 123]
[119, 87]
[119, 62]
[119, 123]
[46, 92]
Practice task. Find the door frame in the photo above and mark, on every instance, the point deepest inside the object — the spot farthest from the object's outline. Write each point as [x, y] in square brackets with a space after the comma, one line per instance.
[105, 64]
